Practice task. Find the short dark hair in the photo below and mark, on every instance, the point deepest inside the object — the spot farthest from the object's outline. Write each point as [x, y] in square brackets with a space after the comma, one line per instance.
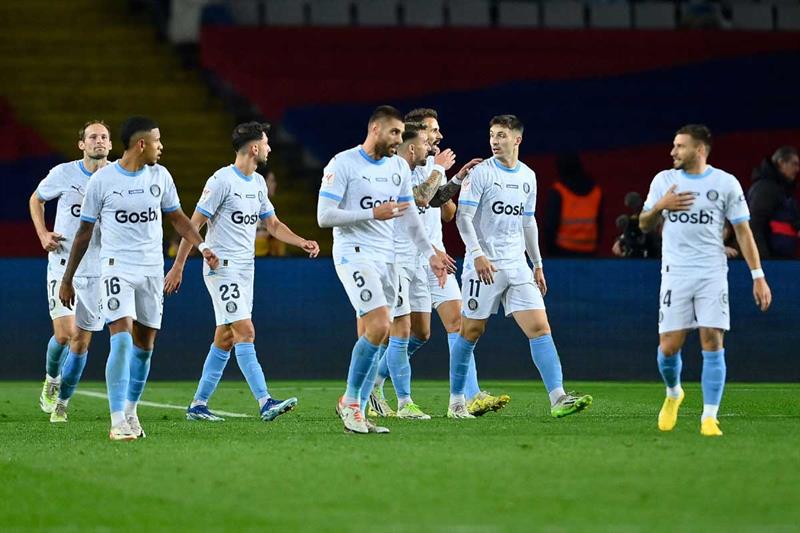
[698, 132]
[507, 121]
[385, 111]
[134, 125]
[413, 130]
[783, 154]
[421, 113]
[248, 132]
[82, 131]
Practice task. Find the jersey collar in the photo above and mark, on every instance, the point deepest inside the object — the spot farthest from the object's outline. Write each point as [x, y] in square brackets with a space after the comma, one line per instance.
[83, 168]
[242, 174]
[366, 156]
[128, 172]
[705, 174]
[505, 168]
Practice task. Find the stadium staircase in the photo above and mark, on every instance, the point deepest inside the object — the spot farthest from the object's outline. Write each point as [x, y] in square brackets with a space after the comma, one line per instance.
[67, 61]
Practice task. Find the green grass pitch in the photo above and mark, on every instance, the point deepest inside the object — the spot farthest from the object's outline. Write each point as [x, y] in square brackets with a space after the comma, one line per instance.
[608, 469]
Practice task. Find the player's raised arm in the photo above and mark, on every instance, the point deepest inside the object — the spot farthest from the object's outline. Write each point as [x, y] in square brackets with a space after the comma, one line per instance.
[412, 223]
[425, 190]
[671, 200]
[449, 189]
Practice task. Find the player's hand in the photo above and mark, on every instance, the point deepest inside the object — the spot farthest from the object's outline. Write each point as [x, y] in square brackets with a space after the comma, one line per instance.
[761, 293]
[51, 241]
[676, 201]
[66, 294]
[731, 252]
[446, 158]
[389, 210]
[449, 262]
[211, 258]
[485, 269]
[173, 279]
[310, 247]
[464, 172]
[439, 268]
[538, 277]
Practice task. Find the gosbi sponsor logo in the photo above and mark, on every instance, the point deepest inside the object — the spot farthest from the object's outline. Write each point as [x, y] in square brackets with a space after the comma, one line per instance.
[695, 217]
[502, 208]
[124, 217]
[240, 218]
[75, 209]
[367, 202]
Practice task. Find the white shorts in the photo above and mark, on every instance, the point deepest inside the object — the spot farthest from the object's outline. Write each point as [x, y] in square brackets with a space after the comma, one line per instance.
[87, 301]
[413, 294]
[136, 296]
[439, 295]
[231, 293]
[688, 303]
[369, 285]
[514, 288]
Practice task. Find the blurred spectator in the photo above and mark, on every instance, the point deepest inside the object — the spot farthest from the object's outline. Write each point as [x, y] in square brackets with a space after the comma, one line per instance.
[266, 244]
[572, 223]
[774, 214]
[632, 242]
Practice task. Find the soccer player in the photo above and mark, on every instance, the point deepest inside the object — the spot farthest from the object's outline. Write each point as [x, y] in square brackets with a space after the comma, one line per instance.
[70, 344]
[446, 301]
[233, 202]
[127, 199]
[496, 221]
[363, 190]
[693, 199]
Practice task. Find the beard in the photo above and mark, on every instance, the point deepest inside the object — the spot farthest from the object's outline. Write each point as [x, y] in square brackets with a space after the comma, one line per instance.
[98, 157]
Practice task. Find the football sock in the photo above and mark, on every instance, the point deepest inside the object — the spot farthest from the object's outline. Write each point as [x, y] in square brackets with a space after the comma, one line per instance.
[414, 344]
[545, 357]
[670, 368]
[250, 367]
[712, 381]
[460, 353]
[361, 360]
[140, 369]
[71, 374]
[383, 367]
[55, 352]
[472, 387]
[118, 373]
[366, 388]
[399, 366]
[213, 368]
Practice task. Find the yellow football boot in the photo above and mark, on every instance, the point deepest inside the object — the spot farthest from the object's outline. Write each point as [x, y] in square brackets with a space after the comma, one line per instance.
[709, 427]
[668, 416]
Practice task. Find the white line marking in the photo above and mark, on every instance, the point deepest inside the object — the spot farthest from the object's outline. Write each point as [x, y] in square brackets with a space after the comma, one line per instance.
[102, 395]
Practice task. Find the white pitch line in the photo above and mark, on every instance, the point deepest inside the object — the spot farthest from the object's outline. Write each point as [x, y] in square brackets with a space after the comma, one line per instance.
[102, 395]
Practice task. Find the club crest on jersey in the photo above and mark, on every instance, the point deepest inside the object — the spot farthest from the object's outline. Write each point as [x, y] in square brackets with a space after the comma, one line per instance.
[396, 179]
[155, 190]
[231, 307]
[366, 295]
[472, 304]
[712, 195]
[526, 188]
[113, 304]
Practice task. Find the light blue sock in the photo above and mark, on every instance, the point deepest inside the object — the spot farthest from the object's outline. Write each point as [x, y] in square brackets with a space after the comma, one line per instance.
[71, 374]
[713, 377]
[366, 389]
[361, 360]
[472, 379]
[140, 369]
[670, 368]
[399, 366]
[383, 366]
[61, 361]
[118, 370]
[460, 352]
[545, 357]
[248, 363]
[55, 353]
[212, 373]
[414, 344]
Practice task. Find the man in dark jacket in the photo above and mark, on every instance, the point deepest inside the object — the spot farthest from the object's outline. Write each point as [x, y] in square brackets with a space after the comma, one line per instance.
[775, 217]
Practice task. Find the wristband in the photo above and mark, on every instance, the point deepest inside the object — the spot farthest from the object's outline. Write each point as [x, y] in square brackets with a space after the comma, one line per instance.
[757, 273]
[202, 247]
[440, 169]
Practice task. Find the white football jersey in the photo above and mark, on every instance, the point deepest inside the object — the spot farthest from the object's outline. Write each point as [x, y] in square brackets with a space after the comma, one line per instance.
[692, 240]
[432, 216]
[357, 181]
[67, 182]
[234, 203]
[501, 197]
[127, 206]
[406, 252]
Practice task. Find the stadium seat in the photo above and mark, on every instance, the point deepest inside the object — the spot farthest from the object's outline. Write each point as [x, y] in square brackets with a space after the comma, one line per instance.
[751, 16]
[327, 13]
[788, 17]
[613, 15]
[376, 12]
[284, 12]
[654, 15]
[470, 13]
[563, 14]
[423, 13]
[519, 15]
